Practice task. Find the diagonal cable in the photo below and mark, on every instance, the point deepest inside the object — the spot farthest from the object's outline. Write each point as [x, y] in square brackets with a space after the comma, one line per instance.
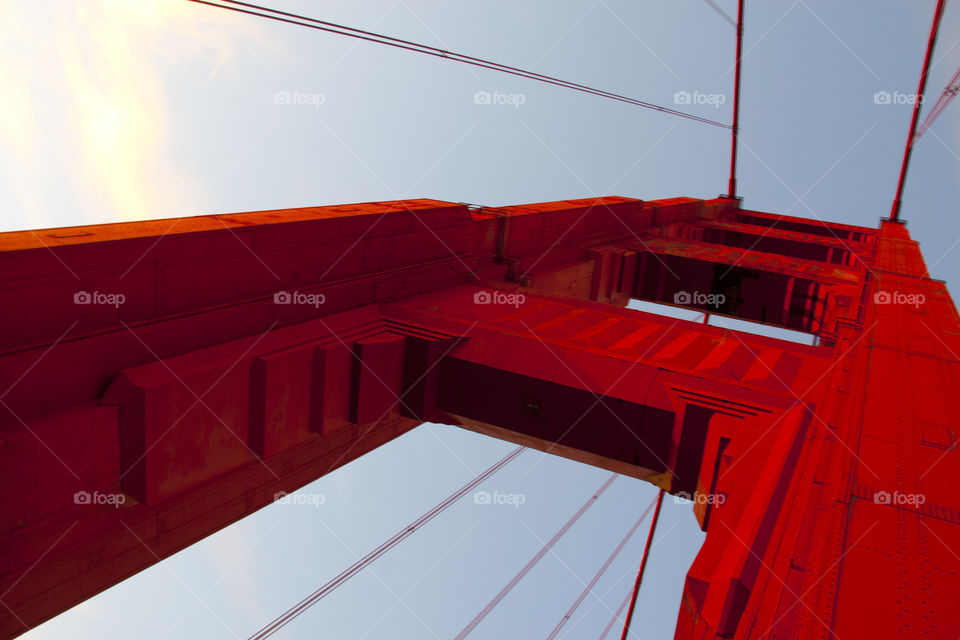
[351, 32]
[404, 533]
[534, 560]
[603, 569]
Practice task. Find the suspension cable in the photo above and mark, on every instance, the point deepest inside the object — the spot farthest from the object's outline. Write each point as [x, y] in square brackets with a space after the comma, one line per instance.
[951, 91]
[534, 560]
[918, 103]
[603, 569]
[643, 565]
[404, 533]
[723, 14]
[369, 36]
[616, 616]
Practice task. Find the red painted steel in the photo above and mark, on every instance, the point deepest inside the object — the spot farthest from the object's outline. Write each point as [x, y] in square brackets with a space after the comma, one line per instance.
[163, 379]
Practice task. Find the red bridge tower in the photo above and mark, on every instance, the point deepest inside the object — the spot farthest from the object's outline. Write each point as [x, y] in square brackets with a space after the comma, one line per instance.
[192, 368]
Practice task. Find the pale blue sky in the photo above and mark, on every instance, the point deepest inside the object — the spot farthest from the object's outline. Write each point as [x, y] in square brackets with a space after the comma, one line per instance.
[122, 110]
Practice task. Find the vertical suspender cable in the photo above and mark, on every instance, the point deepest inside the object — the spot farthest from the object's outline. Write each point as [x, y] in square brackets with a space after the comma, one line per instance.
[735, 129]
[918, 103]
[643, 565]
